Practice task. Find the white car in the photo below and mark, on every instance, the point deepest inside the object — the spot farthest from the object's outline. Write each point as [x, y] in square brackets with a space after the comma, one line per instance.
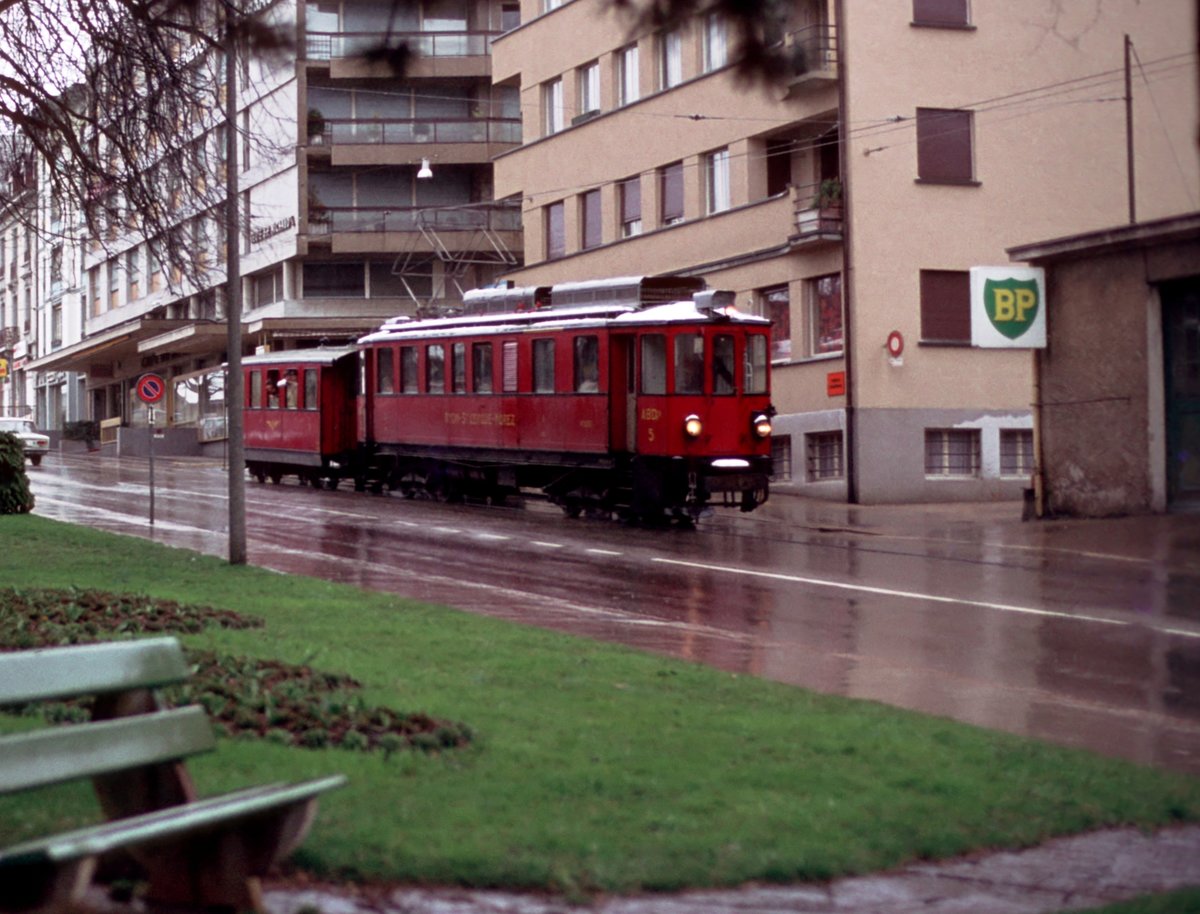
[35, 443]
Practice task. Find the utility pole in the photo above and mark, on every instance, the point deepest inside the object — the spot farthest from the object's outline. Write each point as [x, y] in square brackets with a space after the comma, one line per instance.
[234, 396]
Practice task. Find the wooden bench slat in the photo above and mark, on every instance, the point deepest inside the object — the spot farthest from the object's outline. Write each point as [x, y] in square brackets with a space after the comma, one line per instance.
[164, 824]
[67, 753]
[90, 669]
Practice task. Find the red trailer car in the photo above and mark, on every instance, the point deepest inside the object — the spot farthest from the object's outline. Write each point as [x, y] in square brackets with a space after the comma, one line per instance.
[300, 415]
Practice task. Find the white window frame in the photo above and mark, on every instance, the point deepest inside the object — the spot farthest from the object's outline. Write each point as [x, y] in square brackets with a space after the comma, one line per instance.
[588, 78]
[824, 455]
[716, 181]
[553, 111]
[628, 74]
[670, 59]
[716, 42]
[945, 450]
[1016, 452]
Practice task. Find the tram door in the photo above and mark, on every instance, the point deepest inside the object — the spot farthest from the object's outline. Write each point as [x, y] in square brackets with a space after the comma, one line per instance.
[622, 392]
[1181, 345]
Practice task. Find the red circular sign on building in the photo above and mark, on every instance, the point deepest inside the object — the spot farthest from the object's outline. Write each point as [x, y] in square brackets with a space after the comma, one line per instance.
[895, 344]
[151, 388]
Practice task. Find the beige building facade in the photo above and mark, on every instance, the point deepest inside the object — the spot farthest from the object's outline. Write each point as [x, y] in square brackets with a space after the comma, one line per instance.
[913, 141]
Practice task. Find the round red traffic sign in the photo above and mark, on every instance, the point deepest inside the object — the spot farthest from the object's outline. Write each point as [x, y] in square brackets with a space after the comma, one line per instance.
[151, 388]
[895, 344]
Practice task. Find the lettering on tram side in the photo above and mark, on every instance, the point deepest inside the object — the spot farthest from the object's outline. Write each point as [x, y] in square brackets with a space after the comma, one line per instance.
[650, 414]
[494, 420]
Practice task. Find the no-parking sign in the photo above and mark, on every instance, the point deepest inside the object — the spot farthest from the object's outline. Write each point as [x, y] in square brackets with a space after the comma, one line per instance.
[151, 388]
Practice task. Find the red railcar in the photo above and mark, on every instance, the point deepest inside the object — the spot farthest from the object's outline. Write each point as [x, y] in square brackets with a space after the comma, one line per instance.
[644, 397]
[299, 414]
[610, 396]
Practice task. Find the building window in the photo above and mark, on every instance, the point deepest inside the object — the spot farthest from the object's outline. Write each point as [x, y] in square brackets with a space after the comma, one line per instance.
[945, 306]
[589, 219]
[716, 49]
[114, 285]
[556, 231]
[335, 280]
[945, 13]
[781, 458]
[777, 308]
[944, 153]
[670, 183]
[552, 106]
[670, 59]
[481, 368]
[510, 16]
[951, 452]
[548, 5]
[56, 325]
[587, 364]
[543, 366]
[716, 181]
[133, 274]
[823, 456]
[588, 79]
[409, 370]
[435, 369]
[628, 90]
[825, 314]
[385, 372]
[1016, 452]
[630, 192]
[458, 367]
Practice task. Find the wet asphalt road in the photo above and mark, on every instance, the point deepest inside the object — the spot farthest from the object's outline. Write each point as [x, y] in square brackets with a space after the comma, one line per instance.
[1084, 633]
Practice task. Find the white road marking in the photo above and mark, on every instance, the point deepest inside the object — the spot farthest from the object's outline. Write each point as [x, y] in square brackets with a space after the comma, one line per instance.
[545, 545]
[603, 552]
[927, 597]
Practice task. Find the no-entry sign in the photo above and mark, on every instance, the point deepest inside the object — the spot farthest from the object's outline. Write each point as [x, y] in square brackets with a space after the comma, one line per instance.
[151, 388]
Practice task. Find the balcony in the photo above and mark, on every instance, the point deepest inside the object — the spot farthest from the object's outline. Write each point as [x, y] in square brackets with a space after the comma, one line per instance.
[813, 55]
[818, 213]
[457, 53]
[396, 131]
[494, 217]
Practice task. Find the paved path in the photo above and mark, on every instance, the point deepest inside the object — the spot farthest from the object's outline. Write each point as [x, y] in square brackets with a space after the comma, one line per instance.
[1067, 874]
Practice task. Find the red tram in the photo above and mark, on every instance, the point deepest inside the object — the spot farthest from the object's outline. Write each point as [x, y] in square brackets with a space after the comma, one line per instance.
[645, 397]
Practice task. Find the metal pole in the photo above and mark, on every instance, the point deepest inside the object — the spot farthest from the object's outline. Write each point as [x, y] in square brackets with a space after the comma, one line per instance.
[1129, 129]
[233, 307]
[150, 453]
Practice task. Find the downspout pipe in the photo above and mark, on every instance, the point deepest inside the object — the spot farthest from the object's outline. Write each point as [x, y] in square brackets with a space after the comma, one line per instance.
[850, 434]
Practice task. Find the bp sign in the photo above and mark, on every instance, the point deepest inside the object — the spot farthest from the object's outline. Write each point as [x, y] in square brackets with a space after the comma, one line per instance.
[1008, 307]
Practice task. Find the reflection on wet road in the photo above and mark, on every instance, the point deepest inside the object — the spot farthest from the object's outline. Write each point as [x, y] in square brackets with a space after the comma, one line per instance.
[1086, 634]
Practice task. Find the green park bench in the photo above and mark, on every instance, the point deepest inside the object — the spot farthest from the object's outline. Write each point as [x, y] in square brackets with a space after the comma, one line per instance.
[204, 852]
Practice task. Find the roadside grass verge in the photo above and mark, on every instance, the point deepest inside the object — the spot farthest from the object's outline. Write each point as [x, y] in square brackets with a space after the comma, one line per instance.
[1186, 901]
[592, 767]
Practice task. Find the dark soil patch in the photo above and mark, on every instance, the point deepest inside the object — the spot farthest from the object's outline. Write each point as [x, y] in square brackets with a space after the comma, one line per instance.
[245, 697]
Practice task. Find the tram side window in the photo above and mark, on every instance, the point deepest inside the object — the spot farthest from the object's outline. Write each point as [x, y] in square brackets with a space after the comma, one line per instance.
[508, 367]
[385, 372]
[689, 363]
[587, 364]
[543, 366]
[481, 368]
[273, 389]
[435, 369]
[310, 388]
[458, 367]
[756, 364]
[292, 389]
[256, 397]
[408, 370]
[724, 365]
[654, 364]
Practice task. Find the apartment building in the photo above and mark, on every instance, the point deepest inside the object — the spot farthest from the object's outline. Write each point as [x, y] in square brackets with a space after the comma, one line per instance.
[913, 141]
[363, 195]
[18, 279]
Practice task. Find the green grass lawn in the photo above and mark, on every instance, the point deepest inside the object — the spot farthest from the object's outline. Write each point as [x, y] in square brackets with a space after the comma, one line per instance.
[593, 767]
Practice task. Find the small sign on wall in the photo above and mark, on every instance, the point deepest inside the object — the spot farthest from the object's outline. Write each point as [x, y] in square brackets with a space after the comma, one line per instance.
[1008, 307]
[835, 384]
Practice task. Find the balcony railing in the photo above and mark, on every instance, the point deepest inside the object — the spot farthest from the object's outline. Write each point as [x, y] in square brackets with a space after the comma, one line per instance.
[339, 45]
[392, 131]
[812, 51]
[818, 211]
[497, 218]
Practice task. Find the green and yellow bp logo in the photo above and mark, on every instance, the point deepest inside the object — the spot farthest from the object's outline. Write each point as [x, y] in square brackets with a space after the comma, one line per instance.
[1007, 307]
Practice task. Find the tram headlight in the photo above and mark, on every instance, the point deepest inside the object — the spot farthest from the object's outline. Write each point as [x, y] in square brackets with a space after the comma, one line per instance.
[692, 426]
[761, 424]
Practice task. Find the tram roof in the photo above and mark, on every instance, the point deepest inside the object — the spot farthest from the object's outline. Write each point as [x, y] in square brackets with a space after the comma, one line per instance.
[319, 356]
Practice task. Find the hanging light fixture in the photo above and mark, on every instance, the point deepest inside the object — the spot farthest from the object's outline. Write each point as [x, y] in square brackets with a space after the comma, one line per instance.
[425, 171]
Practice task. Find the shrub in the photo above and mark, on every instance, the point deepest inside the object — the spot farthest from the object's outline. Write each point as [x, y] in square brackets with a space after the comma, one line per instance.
[15, 497]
